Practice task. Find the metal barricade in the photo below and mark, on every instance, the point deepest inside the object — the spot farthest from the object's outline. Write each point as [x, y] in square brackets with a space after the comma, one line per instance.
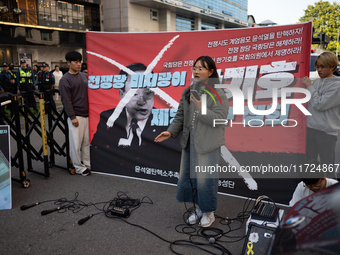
[56, 120]
[37, 122]
[15, 131]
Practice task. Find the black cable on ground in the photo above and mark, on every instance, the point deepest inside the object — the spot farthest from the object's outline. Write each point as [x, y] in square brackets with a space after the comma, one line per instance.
[204, 239]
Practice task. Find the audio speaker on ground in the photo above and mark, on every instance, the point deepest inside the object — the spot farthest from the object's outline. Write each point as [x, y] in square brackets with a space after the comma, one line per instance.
[258, 239]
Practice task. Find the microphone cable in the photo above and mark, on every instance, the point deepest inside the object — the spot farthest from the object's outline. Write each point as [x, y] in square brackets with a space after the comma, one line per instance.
[208, 240]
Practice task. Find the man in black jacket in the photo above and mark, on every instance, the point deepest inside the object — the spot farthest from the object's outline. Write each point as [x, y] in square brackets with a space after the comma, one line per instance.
[7, 82]
[46, 82]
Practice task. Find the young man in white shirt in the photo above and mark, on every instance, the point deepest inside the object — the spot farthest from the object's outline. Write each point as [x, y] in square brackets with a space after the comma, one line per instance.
[314, 180]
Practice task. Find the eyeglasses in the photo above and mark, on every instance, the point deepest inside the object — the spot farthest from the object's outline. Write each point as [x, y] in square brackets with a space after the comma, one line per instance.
[200, 69]
[313, 186]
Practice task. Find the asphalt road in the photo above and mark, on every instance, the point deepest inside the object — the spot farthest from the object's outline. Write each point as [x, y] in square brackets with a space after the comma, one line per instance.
[151, 229]
[154, 227]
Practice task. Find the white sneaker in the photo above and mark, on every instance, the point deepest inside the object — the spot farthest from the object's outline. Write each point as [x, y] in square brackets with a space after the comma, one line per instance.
[195, 216]
[207, 219]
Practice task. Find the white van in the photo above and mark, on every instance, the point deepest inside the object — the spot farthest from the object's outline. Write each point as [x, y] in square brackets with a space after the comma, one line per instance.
[313, 74]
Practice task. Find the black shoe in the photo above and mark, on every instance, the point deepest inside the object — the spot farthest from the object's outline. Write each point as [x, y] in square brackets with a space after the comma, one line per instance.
[86, 172]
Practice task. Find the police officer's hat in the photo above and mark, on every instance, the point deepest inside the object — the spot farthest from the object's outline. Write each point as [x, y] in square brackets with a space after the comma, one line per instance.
[22, 61]
[45, 65]
[4, 64]
[11, 64]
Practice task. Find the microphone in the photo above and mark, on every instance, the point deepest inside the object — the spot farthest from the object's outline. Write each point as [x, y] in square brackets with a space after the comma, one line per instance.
[50, 210]
[195, 83]
[24, 207]
[82, 221]
[214, 239]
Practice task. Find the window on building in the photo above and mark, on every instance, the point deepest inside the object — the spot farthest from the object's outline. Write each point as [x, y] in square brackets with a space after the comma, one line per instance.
[62, 5]
[78, 8]
[45, 3]
[62, 18]
[78, 21]
[235, 8]
[184, 23]
[28, 32]
[63, 12]
[44, 17]
[208, 26]
[92, 18]
[46, 36]
[154, 15]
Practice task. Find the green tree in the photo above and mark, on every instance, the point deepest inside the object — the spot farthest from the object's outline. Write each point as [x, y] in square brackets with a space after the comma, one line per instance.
[326, 19]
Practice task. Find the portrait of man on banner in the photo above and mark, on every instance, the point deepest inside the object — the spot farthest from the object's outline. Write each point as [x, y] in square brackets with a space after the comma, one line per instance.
[130, 133]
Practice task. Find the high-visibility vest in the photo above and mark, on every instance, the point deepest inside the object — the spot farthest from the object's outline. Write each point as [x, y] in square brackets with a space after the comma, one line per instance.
[26, 77]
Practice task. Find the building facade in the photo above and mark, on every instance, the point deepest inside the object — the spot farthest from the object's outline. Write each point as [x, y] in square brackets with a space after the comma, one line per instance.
[44, 30]
[173, 15]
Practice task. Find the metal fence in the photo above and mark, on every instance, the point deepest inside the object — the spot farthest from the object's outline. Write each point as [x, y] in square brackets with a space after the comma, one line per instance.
[45, 146]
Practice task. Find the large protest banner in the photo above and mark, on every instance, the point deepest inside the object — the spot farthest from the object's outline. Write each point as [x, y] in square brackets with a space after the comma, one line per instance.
[264, 59]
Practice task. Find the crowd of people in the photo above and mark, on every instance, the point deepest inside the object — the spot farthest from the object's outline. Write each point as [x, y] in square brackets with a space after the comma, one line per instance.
[26, 79]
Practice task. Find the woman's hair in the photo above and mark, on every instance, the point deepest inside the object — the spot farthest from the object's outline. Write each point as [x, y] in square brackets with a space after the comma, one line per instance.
[327, 59]
[209, 64]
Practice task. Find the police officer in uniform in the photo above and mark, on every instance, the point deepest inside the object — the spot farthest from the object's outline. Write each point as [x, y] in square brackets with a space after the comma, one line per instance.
[11, 67]
[25, 81]
[7, 81]
[39, 71]
[35, 73]
[46, 83]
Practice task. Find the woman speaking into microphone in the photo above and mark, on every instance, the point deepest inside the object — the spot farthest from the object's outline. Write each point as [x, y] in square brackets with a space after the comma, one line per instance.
[201, 141]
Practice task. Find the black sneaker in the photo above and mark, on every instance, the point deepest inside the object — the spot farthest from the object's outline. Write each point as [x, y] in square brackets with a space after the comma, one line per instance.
[86, 172]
